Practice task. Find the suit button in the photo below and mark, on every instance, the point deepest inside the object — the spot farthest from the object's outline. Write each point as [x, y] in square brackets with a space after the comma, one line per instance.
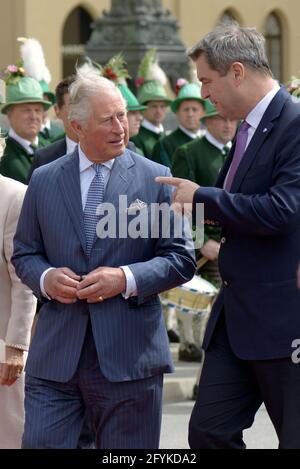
[225, 283]
[223, 240]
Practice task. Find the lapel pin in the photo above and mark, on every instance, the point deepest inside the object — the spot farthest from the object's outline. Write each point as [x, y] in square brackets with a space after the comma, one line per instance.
[265, 130]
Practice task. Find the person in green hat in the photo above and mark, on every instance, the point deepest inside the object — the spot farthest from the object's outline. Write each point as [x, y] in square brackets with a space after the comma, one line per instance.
[134, 109]
[200, 161]
[51, 129]
[189, 108]
[24, 109]
[151, 92]
[115, 70]
[34, 63]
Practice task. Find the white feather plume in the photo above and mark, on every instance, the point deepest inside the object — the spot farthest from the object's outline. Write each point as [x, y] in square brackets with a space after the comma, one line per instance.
[156, 73]
[34, 60]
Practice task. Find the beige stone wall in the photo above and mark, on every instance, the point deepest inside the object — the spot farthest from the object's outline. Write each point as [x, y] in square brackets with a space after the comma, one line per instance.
[44, 19]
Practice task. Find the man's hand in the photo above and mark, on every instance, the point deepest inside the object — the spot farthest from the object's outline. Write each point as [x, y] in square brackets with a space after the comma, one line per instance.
[104, 282]
[185, 189]
[11, 370]
[210, 250]
[61, 285]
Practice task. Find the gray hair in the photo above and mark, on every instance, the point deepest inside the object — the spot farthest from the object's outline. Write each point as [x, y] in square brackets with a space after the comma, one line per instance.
[87, 84]
[231, 43]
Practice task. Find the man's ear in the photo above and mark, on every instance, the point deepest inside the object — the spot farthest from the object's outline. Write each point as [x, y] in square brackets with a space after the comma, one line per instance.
[57, 111]
[238, 72]
[78, 128]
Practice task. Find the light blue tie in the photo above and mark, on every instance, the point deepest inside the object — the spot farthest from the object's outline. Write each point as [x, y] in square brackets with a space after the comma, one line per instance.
[94, 198]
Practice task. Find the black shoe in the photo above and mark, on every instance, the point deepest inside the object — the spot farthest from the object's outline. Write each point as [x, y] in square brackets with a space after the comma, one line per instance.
[190, 353]
[173, 336]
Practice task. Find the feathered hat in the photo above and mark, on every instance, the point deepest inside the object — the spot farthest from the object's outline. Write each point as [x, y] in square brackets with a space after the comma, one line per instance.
[21, 88]
[186, 91]
[34, 62]
[116, 71]
[151, 80]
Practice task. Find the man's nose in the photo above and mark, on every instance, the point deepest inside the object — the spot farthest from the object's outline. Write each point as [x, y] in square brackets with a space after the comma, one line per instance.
[117, 126]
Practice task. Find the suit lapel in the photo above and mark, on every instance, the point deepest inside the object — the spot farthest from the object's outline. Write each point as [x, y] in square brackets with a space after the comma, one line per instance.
[121, 177]
[262, 132]
[69, 183]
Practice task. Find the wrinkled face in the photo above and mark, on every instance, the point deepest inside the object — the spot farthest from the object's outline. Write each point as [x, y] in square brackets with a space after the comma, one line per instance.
[26, 119]
[221, 90]
[105, 135]
[156, 112]
[62, 113]
[134, 122]
[222, 129]
[189, 114]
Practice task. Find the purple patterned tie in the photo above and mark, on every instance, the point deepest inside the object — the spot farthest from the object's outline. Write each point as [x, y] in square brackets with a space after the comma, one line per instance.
[241, 140]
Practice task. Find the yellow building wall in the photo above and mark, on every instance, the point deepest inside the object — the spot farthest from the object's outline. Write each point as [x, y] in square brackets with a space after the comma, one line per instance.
[44, 20]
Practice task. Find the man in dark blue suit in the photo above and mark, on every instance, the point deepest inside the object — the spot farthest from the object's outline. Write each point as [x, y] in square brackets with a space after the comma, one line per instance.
[256, 201]
[100, 341]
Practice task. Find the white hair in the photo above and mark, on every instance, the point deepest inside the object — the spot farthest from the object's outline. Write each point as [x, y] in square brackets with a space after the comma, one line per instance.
[87, 84]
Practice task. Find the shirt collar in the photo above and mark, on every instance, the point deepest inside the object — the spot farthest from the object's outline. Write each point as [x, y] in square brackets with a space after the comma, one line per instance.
[156, 129]
[24, 143]
[193, 135]
[214, 141]
[85, 163]
[46, 125]
[71, 145]
[254, 117]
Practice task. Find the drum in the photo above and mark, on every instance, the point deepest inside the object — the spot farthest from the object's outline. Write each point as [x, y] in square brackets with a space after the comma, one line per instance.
[191, 297]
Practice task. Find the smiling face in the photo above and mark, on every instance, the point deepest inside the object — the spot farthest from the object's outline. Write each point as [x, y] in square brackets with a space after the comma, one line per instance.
[105, 134]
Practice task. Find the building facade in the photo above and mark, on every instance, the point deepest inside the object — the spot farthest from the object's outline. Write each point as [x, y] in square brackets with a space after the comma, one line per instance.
[64, 26]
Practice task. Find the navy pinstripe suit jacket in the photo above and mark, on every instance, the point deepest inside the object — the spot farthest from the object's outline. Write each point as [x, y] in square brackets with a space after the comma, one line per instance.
[130, 335]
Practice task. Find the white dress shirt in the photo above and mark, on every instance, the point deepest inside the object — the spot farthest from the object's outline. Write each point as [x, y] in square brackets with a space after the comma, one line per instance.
[71, 145]
[216, 142]
[255, 116]
[154, 128]
[87, 174]
[191, 134]
[24, 143]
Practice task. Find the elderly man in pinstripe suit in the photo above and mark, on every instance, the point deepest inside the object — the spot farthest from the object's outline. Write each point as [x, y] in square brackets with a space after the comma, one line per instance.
[100, 340]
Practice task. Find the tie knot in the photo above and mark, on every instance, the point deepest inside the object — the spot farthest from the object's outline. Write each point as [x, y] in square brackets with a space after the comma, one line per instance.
[98, 168]
[244, 126]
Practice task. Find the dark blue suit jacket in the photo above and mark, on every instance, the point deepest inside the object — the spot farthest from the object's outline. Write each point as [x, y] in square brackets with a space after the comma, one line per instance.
[260, 246]
[129, 335]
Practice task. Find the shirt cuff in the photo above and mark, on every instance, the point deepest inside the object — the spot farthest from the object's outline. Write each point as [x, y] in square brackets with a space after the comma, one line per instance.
[131, 288]
[42, 286]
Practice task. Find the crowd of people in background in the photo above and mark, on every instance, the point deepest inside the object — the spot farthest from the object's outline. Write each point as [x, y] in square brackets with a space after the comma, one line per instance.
[97, 336]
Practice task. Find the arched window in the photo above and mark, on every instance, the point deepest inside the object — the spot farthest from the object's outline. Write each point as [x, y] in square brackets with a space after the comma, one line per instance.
[227, 18]
[273, 35]
[76, 33]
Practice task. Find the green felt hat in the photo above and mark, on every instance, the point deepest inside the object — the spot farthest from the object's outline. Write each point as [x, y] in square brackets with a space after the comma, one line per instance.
[25, 90]
[131, 100]
[186, 92]
[210, 110]
[46, 91]
[152, 91]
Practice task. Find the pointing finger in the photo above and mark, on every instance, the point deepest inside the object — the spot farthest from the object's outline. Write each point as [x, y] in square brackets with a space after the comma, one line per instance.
[168, 180]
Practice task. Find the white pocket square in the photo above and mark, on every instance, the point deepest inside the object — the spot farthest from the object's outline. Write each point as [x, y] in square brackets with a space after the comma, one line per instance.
[136, 206]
